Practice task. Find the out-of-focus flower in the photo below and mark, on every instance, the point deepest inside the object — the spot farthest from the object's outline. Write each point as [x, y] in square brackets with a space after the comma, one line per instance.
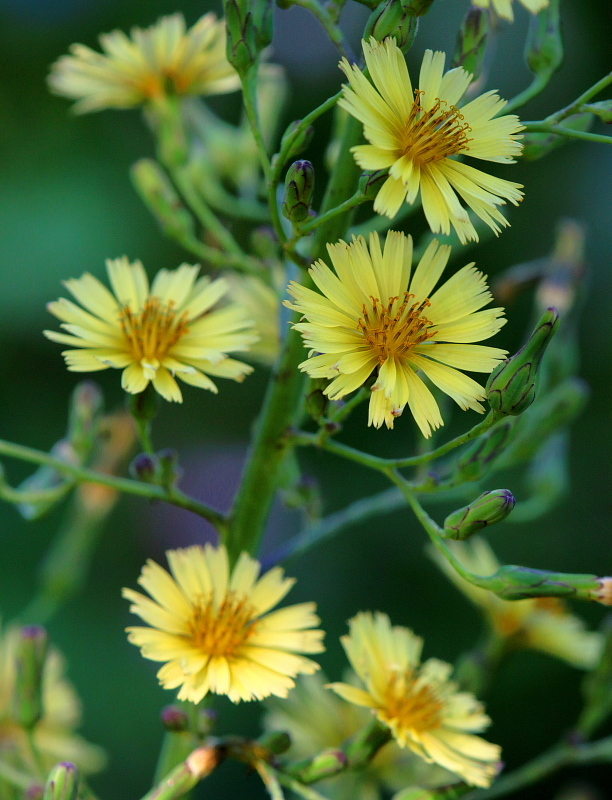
[418, 702]
[262, 305]
[316, 720]
[504, 7]
[211, 624]
[154, 333]
[541, 623]
[163, 60]
[54, 734]
[373, 317]
[417, 135]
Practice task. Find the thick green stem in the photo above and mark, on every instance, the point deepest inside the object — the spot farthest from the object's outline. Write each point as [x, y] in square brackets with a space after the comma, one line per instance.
[84, 475]
[281, 404]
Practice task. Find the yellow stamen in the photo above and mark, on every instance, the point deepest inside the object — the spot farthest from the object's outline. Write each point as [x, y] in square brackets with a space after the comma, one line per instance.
[221, 631]
[430, 136]
[151, 333]
[409, 707]
[393, 329]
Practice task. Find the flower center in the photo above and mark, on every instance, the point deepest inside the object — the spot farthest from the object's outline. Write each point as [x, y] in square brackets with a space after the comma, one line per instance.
[410, 706]
[220, 631]
[430, 136]
[151, 333]
[392, 329]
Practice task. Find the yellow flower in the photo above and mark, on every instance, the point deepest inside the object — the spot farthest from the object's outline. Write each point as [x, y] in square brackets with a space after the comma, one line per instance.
[504, 7]
[543, 623]
[153, 334]
[417, 136]
[213, 628]
[316, 719]
[54, 734]
[164, 59]
[373, 317]
[262, 305]
[418, 702]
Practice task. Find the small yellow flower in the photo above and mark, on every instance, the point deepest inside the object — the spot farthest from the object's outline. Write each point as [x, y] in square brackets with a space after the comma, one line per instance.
[162, 60]
[54, 734]
[417, 136]
[504, 7]
[153, 334]
[211, 624]
[542, 623]
[316, 719]
[418, 702]
[373, 317]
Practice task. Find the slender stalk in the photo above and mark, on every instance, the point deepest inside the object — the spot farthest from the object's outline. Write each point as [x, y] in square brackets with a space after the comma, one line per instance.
[21, 497]
[298, 788]
[537, 85]
[356, 200]
[570, 133]
[126, 485]
[574, 106]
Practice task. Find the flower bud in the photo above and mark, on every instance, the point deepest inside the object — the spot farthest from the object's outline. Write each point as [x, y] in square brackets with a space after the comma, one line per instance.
[144, 468]
[317, 404]
[174, 718]
[513, 582]
[472, 41]
[296, 139]
[242, 46]
[474, 462]
[62, 783]
[511, 387]
[159, 196]
[277, 742]
[489, 508]
[168, 470]
[544, 45]
[418, 7]
[84, 415]
[323, 765]
[603, 110]
[371, 182]
[30, 661]
[391, 18]
[299, 186]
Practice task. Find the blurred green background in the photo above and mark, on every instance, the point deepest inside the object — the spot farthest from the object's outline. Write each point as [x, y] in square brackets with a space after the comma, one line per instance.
[67, 204]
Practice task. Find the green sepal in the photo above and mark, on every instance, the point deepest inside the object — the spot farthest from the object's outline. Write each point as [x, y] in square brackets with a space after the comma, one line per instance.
[299, 186]
[489, 508]
[62, 783]
[393, 18]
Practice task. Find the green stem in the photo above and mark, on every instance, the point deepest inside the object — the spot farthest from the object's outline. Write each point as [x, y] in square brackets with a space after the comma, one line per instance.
[143, 427]
[345, 409]
[326, 19]
[126, 485]
[570, 133]
[19, 497]
[573, 107]
[356, 200]
[298, 788]
[380, 224]
[537, 85]
[218, 258]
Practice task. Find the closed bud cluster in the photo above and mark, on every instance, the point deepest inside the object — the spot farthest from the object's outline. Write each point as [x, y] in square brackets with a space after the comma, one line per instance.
[299, 186]
[296, 139]
[30, 660]
[393, 18]
[158, 194]
[512, 385]
[249, 31]
[472, 41]
[489, 508]
[544, 45]
[472, 464]
[62, 783]
[370, 183]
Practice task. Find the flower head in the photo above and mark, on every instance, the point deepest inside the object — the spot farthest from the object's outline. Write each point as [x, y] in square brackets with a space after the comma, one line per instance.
[418, 702]
[316, 719]
[504, 7]
[164, 59]
[541, 623]
[373, 317]
[211, 624]
[417, 135]
[54, 734]
[153, 333]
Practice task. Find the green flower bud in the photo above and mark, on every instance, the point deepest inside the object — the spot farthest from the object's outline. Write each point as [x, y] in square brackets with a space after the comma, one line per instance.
[169, 472]
[30, 661]
[489, 508]
[62, 783]
[478, 458]
[242, 36]
[391, 18]
[472, 41]
[144, 468]
[418, 7]
[603, 110]
[544, 45]
[511, 387]
[296, 139]
[370, 183]
[317, 404]
[299, 186]
[159, 196]
[277, 742]
[512, 582]
[323, 765]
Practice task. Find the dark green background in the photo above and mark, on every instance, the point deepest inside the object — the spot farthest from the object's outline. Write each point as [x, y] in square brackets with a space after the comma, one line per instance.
[66, 204]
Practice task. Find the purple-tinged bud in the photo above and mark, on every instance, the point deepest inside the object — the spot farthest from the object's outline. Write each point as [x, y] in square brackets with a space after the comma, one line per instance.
[489, 508]
[299, 186]
[144, 468]
[62, 783]
[174, 718]
[512, 385]
[30, 659]
[34, 792]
